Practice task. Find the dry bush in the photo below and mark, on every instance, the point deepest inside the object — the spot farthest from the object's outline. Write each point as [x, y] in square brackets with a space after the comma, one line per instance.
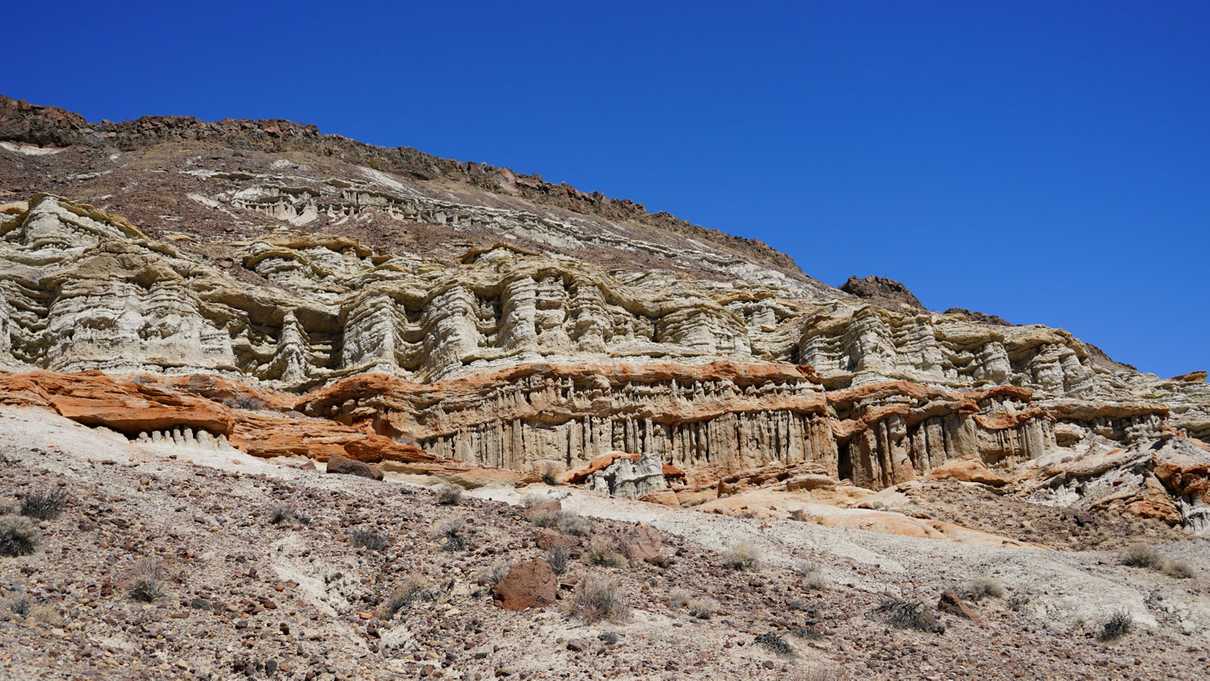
[679, 598]
[494, 574]
[450, 531]
[17, 605]
[550, 473]
[576, 525]
[1140, 555]
[983, 587]
[44, 505]
[17, 536]
[741, 557]
[1118, 625]
[703, 608]
[811, 576]
[146, 581]
[449, 495]
[1178, 569]
[287, 515]
[909, 615]
[412, 590]
[368, 539]
[603, 550]
[598, 598]
[558, 557]
[46, 614]
[773, 642]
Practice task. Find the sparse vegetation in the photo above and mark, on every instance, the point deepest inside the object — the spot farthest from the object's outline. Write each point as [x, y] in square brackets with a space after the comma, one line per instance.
[1143, 556]
[146, 582]
[44, 505]
[983, 587]
[679, 598]
[603, 550]
[249, 402]
[494, 574]
[741, 557]
[703, 608]
[368, 539]
[559, 558]
[412, 590]
[909, 615]
[550, 474]
[450, 530]
[570, 523]
[774, 643]
[810, 576]
[598, 598]
[1118, 625]
[17, 536]
[17, 605]
[449, 495]
[286, 515]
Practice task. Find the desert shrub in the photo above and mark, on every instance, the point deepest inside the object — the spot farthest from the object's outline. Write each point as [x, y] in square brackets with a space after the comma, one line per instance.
[1117, 626]
[248, 402]
[17, 536]
[450, 532]
[146, 581]
[44, 505]
[46, 613]
[679, 598]
[598, 598]
[570, 523]
[741, 557]
[703, 608]
[983, 587]
[412, 590]
[494, 574]
[1177, 569]
[603, 550]
[449, 495]
[550, 474]
[773, 642]
[17, 605]
[368, 539]
[909, 615]
[810, 576]
[609, 638]
[286, 515]
[1140, 555]
[558, 557]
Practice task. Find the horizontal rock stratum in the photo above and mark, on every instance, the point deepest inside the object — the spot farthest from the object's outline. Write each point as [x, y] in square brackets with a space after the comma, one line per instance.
[284, 292]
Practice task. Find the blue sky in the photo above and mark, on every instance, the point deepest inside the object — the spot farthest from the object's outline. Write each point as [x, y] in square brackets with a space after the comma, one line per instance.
[1047, 162]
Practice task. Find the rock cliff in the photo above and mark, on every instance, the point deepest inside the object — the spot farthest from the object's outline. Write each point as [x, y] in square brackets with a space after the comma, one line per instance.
[262, 286]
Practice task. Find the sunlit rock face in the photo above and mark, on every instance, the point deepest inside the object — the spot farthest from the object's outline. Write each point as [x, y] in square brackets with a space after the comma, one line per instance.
[485, 319]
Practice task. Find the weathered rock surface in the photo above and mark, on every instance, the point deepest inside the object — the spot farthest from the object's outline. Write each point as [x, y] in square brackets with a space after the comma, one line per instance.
[309, 295]
[529, 584]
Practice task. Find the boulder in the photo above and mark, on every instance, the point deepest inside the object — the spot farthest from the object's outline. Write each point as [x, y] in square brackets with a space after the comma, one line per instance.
[529, 584]
[644, 543]
[345, 466]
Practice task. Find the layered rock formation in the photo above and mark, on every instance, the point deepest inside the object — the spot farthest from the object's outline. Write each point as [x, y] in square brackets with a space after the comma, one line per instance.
[291, 293]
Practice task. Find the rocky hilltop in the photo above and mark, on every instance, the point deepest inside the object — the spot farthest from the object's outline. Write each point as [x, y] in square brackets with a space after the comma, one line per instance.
[258, 287]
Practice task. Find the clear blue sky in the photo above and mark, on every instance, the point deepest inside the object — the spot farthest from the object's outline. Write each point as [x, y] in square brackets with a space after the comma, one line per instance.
[1048, 162]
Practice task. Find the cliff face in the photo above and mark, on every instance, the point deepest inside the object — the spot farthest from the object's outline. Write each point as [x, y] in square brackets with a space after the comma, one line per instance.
[387, 305]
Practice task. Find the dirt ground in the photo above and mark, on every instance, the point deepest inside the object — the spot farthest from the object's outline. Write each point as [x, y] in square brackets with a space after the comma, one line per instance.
[248, 593]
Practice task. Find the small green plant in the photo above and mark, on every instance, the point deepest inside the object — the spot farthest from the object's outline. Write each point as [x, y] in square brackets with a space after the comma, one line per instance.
[450, 530]
[603, 550]
[909, 615]
[412, 590]
[146, 582]
[1118, 625]
[368, 539]
[44, 505]
[598, 598]
[773, 642]
[449, 495]
[558, 557]
[17, 536]
[741, 557]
